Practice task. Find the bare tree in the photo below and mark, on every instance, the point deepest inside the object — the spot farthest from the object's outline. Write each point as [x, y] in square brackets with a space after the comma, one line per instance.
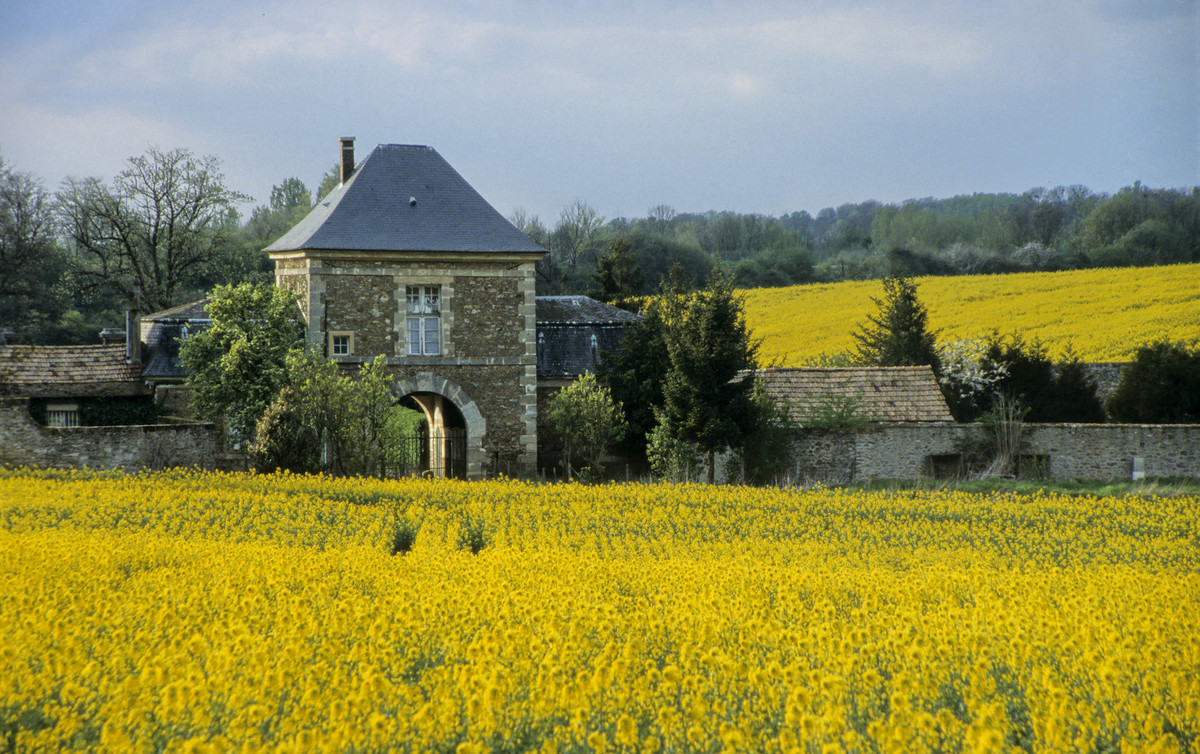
[163, 222]
[576, 234]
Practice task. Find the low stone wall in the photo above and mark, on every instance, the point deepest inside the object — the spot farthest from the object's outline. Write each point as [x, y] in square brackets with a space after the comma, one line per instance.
[1108, 451]
[24, 442]
[1054, 451]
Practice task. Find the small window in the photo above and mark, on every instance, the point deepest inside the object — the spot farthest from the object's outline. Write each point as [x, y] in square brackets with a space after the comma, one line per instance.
[424, 320]
[341, 344]
[62, 415]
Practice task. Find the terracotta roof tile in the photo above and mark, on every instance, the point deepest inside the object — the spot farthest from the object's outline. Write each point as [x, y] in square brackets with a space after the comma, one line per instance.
[903, 394]
[67, 371]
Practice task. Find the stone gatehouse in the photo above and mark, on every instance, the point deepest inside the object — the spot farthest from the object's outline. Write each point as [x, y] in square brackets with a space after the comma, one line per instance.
[405, 260]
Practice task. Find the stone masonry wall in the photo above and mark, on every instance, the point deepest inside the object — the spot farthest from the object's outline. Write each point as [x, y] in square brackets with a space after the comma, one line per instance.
[488, 338]
[1071, 451]
[486, 317]
[367, 306]
[1106, 451]
[24, 442]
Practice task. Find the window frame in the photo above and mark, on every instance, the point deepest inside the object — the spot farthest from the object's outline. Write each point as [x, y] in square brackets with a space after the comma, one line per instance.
[334, 336]
[62, 415]
[423, 329]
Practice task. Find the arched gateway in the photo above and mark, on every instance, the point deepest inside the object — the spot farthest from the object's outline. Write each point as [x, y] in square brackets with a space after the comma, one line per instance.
[406, 261]
[456, 427]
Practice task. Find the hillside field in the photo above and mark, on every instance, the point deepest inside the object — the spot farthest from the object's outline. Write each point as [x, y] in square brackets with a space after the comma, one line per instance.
[186, 611]
[1103, 314]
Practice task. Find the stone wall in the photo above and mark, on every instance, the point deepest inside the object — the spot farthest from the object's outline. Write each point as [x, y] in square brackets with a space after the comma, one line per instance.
[488, 347]
[24, 442]
[1063, 451]
[1107, 451]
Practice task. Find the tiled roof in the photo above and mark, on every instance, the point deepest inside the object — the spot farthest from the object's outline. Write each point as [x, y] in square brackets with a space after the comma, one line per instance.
[570, 349]
[579, 309]
[67, 372]
[189, 311]
[573, 332]
[405, 198]
[164, 331]
[901, 394]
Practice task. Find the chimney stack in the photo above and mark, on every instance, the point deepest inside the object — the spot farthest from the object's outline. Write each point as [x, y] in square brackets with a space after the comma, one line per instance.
[347, 157]
[133, 337]
[112, 336]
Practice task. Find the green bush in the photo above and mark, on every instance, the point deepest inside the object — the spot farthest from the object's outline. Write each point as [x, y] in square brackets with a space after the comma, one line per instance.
[403, 537]
[473, 534]
[1161, 385]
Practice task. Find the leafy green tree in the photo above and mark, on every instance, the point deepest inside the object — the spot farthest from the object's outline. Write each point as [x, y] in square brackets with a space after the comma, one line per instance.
[1048, 392]
[898, 334]
[577, 234]
[290, 202]
[160, 231]
[331, 180]
[285, 438]
[618, 274]
[237, 366]
[707, 393]
[635, 375]
[588, 420]
[765, 452]
[327, 420]
[31, 263]
[531, 226]
[1160, 385]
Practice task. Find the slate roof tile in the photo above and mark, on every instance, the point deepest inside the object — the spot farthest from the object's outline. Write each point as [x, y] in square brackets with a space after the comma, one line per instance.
[405, 197]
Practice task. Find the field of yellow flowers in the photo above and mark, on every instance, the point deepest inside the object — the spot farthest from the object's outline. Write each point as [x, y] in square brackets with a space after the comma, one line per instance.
[186, 611]
[1104, 315]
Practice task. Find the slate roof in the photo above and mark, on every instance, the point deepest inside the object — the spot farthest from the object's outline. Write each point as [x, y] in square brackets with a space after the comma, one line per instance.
[189, 311]
[573, 333]
[164, 331]
[890, 394]
[68, 372]
[562, 309]
[405, 198]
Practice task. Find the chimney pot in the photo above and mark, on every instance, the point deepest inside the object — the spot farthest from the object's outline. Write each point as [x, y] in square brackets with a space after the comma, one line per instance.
[347, 157]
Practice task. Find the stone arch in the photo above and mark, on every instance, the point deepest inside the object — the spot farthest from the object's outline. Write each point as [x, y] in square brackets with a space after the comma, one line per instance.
[475, 423]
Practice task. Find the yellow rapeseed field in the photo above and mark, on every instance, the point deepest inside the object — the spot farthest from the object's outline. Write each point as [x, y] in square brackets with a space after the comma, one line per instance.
[185, 611]
[1103, 314]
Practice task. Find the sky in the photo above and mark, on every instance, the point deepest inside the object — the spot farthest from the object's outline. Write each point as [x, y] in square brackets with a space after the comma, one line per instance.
[768, 107]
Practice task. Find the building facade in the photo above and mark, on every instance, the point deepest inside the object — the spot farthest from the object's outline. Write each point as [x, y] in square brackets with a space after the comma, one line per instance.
[406, 261]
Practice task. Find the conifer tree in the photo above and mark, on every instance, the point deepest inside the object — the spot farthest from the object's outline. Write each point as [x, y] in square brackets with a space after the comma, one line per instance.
[898, 334]
[707, 393]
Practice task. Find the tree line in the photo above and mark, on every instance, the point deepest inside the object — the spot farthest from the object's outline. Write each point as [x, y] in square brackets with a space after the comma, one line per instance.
[167, 228]
[1042, 229]
[164, 231]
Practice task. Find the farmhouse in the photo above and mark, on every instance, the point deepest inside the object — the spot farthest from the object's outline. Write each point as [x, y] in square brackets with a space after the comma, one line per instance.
[406, 261]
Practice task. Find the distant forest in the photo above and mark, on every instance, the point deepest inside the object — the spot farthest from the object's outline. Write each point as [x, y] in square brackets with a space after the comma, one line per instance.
[167, 228]
[1042, 229]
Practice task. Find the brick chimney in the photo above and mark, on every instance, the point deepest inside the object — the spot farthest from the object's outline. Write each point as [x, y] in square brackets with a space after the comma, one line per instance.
[347, 157]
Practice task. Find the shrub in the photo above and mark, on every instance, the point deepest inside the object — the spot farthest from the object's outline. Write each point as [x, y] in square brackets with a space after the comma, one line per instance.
[1162, 385]
[473, 534]
[404, 536]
